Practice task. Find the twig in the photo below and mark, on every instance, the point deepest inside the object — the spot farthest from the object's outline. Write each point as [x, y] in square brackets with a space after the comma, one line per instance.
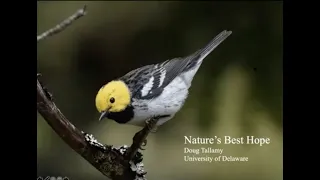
[63, 25]
[109, 160]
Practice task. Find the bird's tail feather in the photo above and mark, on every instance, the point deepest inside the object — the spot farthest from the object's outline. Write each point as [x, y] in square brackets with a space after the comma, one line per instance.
[196, 58]
[215, 42]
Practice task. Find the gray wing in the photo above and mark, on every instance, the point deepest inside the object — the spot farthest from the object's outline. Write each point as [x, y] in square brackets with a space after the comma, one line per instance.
[149, 81]
[162, 75]
[137, 78]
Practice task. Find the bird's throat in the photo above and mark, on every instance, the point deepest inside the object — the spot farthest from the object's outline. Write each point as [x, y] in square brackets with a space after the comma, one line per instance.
[122, 117]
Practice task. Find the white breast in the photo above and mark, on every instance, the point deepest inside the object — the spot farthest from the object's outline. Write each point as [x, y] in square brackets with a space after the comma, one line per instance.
[168, 103]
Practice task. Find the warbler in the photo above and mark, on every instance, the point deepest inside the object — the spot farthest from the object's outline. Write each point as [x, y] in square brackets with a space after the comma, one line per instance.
[155, 90]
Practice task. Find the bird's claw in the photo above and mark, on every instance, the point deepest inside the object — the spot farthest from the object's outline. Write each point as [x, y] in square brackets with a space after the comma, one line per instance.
[144, 143]
[136, 138]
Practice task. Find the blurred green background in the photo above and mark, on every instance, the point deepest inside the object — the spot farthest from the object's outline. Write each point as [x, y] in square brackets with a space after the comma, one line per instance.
[237, 91]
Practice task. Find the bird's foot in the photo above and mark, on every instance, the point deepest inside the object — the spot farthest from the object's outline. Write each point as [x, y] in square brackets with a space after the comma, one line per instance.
[144, 143]
[137, 137]
[153, 130]
[151, 125]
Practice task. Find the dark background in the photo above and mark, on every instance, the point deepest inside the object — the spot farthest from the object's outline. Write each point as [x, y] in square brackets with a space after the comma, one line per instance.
[237, 91]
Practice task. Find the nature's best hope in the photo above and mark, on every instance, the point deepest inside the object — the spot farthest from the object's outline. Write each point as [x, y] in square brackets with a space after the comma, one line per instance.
[227, 140]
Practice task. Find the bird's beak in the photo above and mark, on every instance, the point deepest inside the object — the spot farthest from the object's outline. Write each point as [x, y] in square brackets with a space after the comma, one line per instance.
[103, 115]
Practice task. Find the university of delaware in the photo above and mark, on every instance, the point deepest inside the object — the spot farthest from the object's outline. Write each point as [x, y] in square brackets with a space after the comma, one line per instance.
[217, 158]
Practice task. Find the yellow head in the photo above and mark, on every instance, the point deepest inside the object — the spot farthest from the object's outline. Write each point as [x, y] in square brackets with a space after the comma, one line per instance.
[112, 97]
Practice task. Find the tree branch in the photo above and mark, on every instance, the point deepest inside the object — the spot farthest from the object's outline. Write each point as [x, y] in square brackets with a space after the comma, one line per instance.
[121, 163]
[63, 25]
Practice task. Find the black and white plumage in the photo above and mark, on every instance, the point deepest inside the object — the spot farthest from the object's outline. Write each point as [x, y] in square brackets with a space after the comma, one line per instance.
[161, 89]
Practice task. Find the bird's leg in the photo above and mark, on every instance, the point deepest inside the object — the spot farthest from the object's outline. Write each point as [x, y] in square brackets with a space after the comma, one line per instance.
[152, 124]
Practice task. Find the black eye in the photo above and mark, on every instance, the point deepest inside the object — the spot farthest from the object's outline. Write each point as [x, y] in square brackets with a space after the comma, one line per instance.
[112, 100]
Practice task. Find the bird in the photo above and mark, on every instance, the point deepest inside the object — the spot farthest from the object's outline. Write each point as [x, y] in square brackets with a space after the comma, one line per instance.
[155, 90]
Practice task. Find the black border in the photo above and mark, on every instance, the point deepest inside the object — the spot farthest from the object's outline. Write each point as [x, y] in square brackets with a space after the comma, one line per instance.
[18, 72]
[298, 99]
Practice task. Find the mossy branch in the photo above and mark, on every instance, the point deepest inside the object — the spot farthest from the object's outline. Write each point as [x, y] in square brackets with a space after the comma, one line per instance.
[115, 163]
